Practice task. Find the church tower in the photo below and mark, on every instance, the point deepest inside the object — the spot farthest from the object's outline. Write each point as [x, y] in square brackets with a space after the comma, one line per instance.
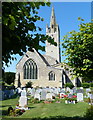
[54, 32]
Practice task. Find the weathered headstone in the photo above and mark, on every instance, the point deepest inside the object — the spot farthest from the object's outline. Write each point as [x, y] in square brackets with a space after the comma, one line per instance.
[74, 90]
[33, 92]
[71, 91]
[56, 91]
[28, 89]
[49, 96]
[62, 95]
[91, 96]
[67, 89]
[81, 87]
[88, 90]
[70, 95]
[43, 95]
[37, 95]
[23, 100]
[80, 91]
[79, 97]
[19, 90]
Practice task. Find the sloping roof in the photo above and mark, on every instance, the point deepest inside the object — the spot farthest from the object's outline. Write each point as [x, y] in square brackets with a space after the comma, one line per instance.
[50, 60]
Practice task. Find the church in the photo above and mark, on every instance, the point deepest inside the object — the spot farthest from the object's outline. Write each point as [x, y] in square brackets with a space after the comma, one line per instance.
[45, 70]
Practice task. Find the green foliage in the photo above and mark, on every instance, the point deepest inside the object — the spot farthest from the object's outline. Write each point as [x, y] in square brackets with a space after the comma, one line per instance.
[15, 112]
[85, 85]
[91, 84]
[70, 85]
[79, 50]
[89, 113]
[28, 85]
[9, 77]
[19, 29]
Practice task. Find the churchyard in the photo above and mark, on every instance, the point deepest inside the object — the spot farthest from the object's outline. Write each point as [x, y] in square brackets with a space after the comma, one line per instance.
[45, 102]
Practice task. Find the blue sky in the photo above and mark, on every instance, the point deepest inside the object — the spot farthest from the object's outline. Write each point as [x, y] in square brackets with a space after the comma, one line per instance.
[67, 14]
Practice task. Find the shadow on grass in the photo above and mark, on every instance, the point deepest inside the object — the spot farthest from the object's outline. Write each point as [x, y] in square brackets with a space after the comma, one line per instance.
[4, 112]
[50, 118]
[5, 105]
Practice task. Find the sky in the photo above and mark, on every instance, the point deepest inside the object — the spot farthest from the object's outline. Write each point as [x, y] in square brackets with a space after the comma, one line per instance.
[67, 14]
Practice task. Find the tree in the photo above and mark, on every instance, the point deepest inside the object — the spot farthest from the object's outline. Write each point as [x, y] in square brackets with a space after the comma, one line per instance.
[19, 28]
[9, 77]
[79, 50]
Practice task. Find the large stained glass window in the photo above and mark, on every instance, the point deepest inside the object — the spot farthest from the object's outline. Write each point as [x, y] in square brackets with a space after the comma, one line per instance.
[30, 69]
[51, 75]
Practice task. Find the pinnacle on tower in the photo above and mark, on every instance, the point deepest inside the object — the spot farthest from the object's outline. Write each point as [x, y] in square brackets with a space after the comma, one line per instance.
[52, 20]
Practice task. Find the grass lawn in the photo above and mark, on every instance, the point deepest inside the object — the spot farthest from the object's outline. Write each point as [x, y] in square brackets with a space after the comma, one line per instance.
[46, 110]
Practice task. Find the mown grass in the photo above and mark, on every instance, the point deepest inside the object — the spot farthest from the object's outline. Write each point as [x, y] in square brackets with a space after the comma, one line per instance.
[53, 110]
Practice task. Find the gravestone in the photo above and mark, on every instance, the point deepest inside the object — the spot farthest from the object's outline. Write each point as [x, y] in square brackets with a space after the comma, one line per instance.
[79, 97]
[56, 91]
[49, 96]
[53, 95]
[43, 95]
[62, 91]
[37, 91]
[88, 90]
[33, 92]
[23, 100]
[88, 95]
[59, 90]
[74, 90]
[80, 91]
[70, 95]
[71, 91]
[91, 96]
[37, 95]
[67, 89]
[28, 89]
[81, 87]
[62, 95]
[19, 90]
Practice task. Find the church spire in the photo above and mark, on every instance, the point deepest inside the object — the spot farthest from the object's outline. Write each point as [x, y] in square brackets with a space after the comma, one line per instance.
[53, 19]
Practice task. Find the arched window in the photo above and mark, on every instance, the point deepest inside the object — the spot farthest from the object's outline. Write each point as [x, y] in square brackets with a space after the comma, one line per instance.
[51, 75]
[30, 70]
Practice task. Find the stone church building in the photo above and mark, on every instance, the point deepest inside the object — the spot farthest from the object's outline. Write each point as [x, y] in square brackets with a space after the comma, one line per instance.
[44, 70]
